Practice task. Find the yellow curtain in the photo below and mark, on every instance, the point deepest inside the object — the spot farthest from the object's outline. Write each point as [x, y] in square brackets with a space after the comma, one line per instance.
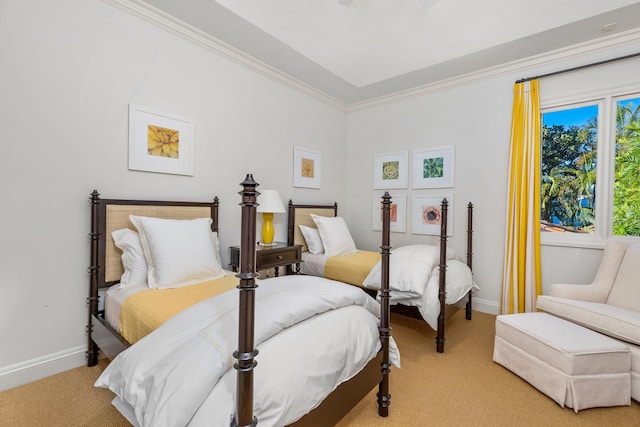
[521, 283]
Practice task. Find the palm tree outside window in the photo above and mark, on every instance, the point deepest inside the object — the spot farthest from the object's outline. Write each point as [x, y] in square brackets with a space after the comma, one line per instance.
[571, 178]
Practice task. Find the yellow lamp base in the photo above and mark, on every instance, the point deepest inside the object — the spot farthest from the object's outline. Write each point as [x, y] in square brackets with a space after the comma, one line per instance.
[267, 228]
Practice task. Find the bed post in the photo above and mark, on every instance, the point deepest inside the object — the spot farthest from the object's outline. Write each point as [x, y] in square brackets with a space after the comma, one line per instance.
[442, 288]
[93, 270]
[246, 353]
[214, 214]
[384, 398]
[291, 212]
[469, 254]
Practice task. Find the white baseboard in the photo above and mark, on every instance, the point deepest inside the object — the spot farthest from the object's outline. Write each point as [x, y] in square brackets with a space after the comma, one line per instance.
[486, 306]
[483, 305]
[42, 367]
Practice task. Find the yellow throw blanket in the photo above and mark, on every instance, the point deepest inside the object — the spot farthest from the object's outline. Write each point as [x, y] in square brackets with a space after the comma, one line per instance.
[144, 311]
[352, 268]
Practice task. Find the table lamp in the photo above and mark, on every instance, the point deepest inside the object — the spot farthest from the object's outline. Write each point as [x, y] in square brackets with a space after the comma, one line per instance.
[270, 203]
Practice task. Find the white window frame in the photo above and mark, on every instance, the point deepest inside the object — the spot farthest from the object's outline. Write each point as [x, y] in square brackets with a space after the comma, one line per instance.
[606, 98]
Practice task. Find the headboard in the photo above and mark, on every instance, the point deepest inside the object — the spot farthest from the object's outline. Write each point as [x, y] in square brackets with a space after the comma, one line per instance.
[301, 215]
[108, 215]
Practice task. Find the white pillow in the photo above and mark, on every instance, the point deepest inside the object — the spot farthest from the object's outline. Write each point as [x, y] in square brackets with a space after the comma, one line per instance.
[335, 235]
[133, 260]
[178, 252]
[312, 237]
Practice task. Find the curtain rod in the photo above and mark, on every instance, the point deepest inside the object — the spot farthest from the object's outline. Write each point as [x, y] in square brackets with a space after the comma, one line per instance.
[620, 58]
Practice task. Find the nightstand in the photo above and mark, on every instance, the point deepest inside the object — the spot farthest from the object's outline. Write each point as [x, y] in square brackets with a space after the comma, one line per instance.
[275, 256]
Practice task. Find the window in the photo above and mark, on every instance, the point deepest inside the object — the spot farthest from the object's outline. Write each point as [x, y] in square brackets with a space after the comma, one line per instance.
[569, 178]
[590, 168]
[626, 187]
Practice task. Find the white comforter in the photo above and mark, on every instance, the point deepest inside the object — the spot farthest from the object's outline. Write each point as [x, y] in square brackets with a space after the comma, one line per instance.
[414, 279]
[312, 334]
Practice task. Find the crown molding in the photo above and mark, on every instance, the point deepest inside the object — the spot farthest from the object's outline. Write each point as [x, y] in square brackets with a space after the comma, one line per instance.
[169, 23]
[163, 20]
[599, 46]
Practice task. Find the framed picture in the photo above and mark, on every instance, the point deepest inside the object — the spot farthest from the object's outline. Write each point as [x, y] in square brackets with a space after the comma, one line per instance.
[306, 168]
[390, 170]
[426, 214]
[160, 142]
[398, 213]
[433, 168]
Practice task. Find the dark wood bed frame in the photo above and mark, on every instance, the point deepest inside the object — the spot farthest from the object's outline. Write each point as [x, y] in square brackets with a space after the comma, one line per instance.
[332, 210]
[101, 336]
[102, 275]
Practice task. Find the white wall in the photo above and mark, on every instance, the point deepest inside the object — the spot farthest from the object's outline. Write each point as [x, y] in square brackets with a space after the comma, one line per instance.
[475, 118]
[467, 118]
[68, 71]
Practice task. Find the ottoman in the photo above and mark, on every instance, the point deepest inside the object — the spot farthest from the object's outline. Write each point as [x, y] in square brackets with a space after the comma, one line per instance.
[574, 366]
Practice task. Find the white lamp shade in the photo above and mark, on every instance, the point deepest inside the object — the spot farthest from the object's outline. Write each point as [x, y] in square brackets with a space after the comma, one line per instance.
[270, 201]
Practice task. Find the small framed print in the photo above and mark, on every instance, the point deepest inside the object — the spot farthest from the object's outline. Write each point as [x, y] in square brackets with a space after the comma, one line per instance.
[306, 168]
[433, 168]
[426, 214]
[398, 213]
[391, 170]
[160, 142]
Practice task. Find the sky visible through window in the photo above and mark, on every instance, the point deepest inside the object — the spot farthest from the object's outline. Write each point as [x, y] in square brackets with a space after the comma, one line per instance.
[571, 117]
[631, 103]
[580, 116]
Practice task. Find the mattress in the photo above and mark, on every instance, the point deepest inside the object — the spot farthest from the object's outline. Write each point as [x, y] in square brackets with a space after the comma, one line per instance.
[351, 268]
[313, 265]
[135, 311]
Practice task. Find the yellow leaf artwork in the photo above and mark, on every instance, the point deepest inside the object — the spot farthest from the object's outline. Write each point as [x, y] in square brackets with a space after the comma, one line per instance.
[307, 170]
[163, 142]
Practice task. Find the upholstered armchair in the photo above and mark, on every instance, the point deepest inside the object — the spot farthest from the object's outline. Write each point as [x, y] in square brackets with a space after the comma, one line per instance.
[598, 290]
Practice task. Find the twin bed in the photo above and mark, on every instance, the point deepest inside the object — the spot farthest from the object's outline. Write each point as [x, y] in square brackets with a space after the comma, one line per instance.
[423, 281]
[171, 364]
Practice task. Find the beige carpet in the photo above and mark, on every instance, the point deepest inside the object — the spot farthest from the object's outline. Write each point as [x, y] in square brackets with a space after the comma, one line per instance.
[461, 387]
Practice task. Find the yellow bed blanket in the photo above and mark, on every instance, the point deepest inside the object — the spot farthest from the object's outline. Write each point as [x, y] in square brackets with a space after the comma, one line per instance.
[352, 268]
[144, 311]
